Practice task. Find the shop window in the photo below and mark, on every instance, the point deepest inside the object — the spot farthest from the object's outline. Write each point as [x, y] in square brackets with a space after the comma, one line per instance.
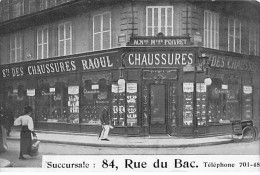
[211, 30]
[234, 35]
[102, 31]
[159, 19]
[52, 103]
[15, 48]
[95, 95]
[247, 98]
[223, 100]
[188, 90]
[118, 105]
[42, 43]
[65, 39]
[73, 104]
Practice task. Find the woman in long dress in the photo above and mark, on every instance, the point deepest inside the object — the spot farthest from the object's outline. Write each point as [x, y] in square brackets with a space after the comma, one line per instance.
[26, 132]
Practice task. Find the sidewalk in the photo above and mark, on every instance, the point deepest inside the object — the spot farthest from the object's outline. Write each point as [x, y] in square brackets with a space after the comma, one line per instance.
[85, 139]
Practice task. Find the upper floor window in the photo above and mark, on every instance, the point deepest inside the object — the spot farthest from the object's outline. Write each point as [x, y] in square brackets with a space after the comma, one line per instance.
[211, 30]
[17, 8]
[102, 31]
[65, 39]
[159, 19]
[15, 48]
[32, 6]
[43, 4]
[42, 43]
[234, 35]
[253, 39]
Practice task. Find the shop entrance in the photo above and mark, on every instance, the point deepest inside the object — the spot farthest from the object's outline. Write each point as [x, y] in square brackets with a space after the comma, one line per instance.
[158, 108]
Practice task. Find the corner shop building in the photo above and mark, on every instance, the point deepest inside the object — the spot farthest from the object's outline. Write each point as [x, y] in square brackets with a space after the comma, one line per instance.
[68, 92]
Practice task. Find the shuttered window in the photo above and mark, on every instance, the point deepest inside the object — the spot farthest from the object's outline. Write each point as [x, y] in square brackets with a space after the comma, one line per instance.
[159, 19]
[211, 30]
[102, 31]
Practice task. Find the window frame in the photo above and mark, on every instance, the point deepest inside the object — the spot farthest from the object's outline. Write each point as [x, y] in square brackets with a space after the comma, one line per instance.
[234, 35]
[17, 5]
[65, 39]
[44, 4]
[209, 31]
[159, 20]
[16, 36]
[102, 31]
[42, 44]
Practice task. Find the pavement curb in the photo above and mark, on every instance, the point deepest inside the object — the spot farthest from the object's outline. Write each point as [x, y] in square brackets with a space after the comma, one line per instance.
[132, 145]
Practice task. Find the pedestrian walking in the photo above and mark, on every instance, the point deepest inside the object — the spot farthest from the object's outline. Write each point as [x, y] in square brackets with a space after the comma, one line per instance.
[105, 120]
[27, 131]
[9, 118]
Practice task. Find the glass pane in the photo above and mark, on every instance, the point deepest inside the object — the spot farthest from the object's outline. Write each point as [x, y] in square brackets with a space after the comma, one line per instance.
[231, 43]
[231, 27]
[157, 99]
[18, 52]
[45, 51]
[39, 36]
[18, 41]
[68, 30]
[39, 54]
[169, 31]
[45, 35]
[163, 17]
[169, 17]
[97, 24]
[12, 42]
[106, 40]
[150, 31]
[61, 49]
[106, 22]
[12, 60]
[61, 32]
[237, 45]
[155, 31]
[156, 17]
[150, 10]
[68, 47]
[237, 28]
[97, 41]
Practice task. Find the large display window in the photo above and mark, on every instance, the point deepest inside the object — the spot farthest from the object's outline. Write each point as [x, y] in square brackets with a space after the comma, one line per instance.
[52, 102]
[223, 99]
[96, 92]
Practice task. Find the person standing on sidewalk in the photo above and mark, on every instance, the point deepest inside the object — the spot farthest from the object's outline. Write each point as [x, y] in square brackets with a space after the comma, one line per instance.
[26, 132]
[104, 118]
[3, 142]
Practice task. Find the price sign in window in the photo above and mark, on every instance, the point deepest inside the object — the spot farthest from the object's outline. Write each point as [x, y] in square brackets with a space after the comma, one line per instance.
[131, 104]
[73, 104]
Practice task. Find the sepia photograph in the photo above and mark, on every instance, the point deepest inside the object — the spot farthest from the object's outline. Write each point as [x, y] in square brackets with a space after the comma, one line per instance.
[130, 85]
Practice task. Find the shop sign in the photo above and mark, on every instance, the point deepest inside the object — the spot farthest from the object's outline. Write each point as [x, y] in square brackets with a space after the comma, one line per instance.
[43, 67]
[247, 89]
[188, 87]
[159, 41]
[30, 92]
[234, 63]
[162, 59]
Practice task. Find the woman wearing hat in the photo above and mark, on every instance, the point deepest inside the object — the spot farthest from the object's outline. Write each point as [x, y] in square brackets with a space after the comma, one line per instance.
[27, 130]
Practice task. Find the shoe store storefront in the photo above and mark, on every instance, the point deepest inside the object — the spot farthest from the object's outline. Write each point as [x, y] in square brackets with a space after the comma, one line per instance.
[149, 89]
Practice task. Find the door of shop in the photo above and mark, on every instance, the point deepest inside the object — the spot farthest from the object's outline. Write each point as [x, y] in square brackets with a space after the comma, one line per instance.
[158, 108]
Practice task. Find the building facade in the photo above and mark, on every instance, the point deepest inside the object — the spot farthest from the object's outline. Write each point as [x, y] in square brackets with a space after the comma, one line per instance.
[65, 58]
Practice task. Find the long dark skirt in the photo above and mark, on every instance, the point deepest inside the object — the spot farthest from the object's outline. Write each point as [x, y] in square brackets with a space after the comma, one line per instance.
[25, 140]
